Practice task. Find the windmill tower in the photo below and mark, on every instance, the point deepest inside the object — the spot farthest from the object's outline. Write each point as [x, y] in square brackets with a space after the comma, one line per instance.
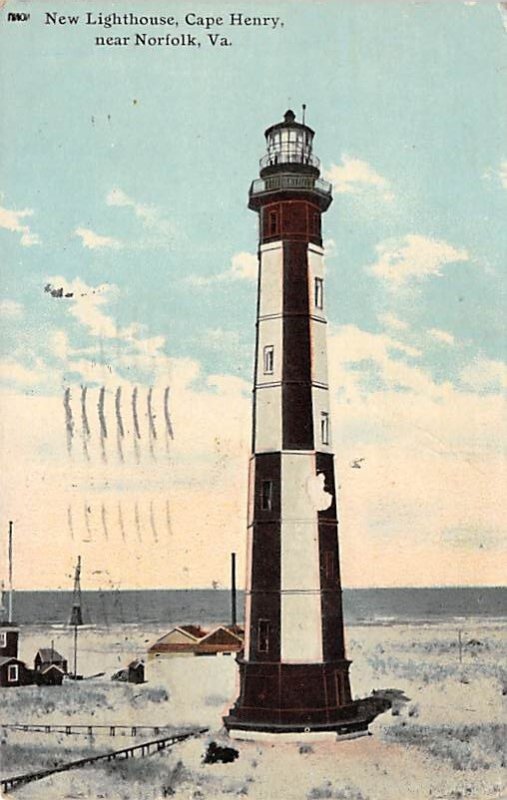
[76, 614]
[294, 674]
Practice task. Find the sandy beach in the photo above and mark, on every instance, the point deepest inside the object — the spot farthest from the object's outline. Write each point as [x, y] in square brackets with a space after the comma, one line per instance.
[446, 741]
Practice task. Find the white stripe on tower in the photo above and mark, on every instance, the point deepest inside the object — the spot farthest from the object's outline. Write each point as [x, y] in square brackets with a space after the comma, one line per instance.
[301, 634]
[318, 336]
[268, 397]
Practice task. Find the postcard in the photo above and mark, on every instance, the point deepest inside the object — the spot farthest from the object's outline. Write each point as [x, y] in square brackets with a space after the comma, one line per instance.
[252, 401]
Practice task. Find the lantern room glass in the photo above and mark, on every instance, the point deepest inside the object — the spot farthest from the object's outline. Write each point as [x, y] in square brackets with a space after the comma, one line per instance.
[289, 145]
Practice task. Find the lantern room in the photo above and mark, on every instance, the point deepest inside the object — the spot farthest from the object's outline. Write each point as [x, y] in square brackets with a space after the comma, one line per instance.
[289, 143]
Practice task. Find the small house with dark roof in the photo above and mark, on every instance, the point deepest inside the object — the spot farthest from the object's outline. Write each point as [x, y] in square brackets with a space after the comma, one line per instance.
[220, 640]
[178, 641]
[14, 672]
[52, 675]
[49, 657]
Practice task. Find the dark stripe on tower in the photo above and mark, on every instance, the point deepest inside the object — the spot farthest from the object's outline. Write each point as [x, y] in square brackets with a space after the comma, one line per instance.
[333, 646]
[297, 413]
[266, 558]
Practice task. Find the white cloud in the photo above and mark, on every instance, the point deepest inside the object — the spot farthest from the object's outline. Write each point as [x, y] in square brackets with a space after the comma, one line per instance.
[485, 373]
[444, 337]
[354, 176]
[13, 221]
[95, 241]
[10, 309]
[11, 371]
[117, 197]
[159, 230]
[502, 7]
[243, 267]
[86, 305]
[413, 258]
[60, 347]
[59, 344]
[117, 353]
[351, 345]
[499, 174]
[219, 339]
[392, 321]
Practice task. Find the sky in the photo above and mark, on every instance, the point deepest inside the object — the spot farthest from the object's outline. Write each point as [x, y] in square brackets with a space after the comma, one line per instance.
[125, 403]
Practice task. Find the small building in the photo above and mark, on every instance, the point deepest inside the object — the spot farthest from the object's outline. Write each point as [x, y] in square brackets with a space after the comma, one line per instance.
[49, 657]
[14, 672]
[135, 672]
[9, 637]
[181, 639]
[52, 675]
[220, 640]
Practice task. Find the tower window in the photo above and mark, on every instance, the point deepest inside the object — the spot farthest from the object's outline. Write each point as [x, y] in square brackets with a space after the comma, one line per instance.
[273, 223]
[3, 639]
[316, 221]
[319, 293]
[267, 495]
[263, 636]
[324, 427]
[269, 359]
[12, 673]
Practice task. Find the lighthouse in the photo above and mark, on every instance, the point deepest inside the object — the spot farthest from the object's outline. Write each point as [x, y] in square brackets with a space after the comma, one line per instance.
[294, 674]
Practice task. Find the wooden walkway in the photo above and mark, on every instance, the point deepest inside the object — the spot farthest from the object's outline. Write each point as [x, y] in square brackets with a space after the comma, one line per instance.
[144, 749]
[87, 730]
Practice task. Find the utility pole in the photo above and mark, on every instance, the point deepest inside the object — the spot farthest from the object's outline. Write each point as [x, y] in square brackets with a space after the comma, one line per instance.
[10, 572]
[233, 589]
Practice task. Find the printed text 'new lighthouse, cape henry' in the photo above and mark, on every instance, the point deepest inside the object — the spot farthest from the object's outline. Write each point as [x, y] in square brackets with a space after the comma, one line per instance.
[191, 19]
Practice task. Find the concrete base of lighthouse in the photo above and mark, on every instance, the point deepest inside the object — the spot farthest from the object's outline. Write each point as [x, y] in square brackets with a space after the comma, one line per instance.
[295, 701]
[353, 724]
[307, 735]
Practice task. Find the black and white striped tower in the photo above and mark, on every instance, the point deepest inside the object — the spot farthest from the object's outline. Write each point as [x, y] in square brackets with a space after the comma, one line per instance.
[293, 671]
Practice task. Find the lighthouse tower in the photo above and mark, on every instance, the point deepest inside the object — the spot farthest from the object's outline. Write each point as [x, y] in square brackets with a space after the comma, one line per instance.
[294, 675]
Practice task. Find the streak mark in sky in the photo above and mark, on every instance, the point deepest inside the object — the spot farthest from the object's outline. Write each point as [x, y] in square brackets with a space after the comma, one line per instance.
[69, 422]
[167, 416]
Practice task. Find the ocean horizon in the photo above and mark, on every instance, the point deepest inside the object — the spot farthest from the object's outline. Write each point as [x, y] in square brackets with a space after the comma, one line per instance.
[179, 606]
